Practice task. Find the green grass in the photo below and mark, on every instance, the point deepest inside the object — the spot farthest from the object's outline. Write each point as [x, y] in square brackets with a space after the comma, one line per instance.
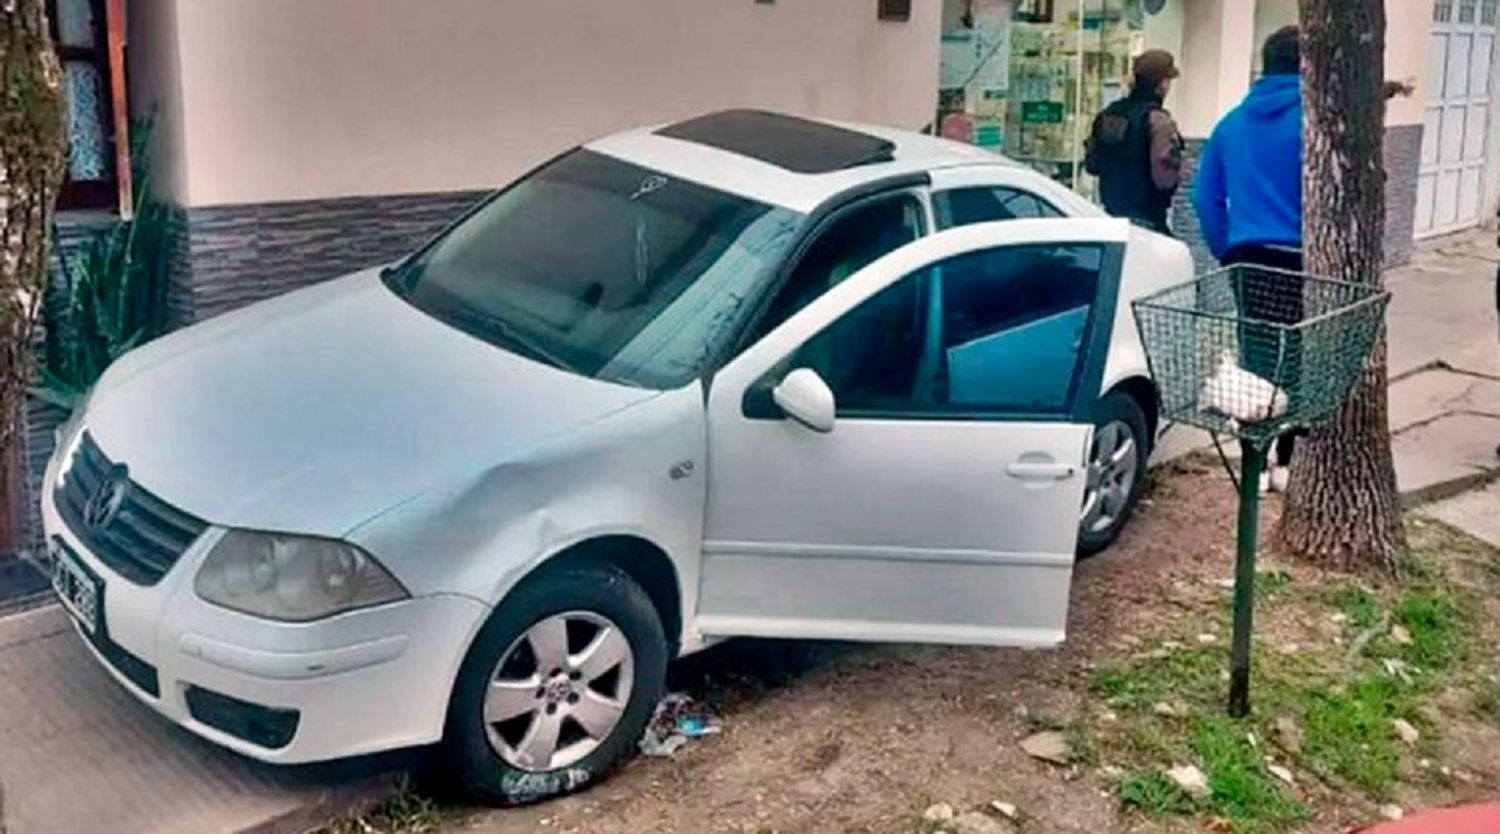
[1361, 606]
[1243, 791]
[1344, 705]
[1435, 620]
[1190, 673]
[1271, 584]
[1081, 747]
[1152, 793]
[404, 812]
[1349, 735]
[1487, 699]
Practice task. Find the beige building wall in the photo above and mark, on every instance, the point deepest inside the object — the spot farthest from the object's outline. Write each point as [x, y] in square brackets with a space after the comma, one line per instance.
[279, 100]
[1408, 30]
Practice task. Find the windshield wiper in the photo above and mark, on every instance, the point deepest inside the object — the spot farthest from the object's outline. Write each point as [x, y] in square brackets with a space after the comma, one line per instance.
[397, 276]
[504, 331]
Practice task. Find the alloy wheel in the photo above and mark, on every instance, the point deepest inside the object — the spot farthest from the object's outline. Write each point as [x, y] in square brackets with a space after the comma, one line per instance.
[558, 691]
[1111, 476]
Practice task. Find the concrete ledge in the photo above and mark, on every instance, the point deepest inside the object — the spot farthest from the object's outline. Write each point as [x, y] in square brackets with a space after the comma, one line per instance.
[338, 802]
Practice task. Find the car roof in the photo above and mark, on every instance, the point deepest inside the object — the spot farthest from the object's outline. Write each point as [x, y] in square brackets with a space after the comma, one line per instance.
[785, 160]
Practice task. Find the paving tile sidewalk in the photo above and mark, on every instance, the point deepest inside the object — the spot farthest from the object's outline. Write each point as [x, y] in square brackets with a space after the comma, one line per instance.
[78, 754]
[1445, 367]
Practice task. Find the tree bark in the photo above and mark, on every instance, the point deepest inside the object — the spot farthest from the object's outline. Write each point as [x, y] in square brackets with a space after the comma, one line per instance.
[32, 155]
[1343, 510]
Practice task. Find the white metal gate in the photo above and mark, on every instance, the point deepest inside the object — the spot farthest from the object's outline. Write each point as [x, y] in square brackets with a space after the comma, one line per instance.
[1455, 139]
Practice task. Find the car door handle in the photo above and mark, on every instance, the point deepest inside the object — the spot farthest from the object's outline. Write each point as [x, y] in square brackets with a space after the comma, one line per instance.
[1036, 471]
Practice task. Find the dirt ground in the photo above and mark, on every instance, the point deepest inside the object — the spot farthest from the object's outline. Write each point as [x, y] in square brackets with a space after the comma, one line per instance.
[822, 737]
[815, 740]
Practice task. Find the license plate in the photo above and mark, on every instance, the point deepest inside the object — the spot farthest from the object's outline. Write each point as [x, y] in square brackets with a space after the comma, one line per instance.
[76, 588]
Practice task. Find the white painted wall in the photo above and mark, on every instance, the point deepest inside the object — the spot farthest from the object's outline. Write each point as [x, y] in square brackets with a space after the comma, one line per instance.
[154, 70]
[1216, 62]
[297, 99]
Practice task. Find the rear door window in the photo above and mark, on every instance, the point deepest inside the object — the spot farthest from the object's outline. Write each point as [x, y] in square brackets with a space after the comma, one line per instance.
[965, 206]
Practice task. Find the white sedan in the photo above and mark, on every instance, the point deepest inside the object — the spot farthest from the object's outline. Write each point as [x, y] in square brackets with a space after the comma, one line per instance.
[746, 374]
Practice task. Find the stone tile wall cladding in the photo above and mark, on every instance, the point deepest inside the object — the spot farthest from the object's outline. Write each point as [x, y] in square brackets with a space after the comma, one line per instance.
[230, 256]
[39, 418]
[1403, 157]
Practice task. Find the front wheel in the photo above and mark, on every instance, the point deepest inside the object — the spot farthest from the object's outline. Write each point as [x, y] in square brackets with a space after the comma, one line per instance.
[557, 688]
[1116, 472]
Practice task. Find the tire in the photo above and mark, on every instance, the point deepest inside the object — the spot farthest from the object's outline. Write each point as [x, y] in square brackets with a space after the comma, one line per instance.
[1115, 476]
[500, 762]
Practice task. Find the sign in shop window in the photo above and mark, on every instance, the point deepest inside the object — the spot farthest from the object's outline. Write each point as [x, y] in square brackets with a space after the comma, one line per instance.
[1042, 112]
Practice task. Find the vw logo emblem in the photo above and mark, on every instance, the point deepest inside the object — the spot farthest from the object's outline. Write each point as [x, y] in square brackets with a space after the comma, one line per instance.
[108, 495]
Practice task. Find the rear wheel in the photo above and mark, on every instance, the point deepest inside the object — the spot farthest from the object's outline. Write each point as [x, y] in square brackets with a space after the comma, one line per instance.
[1116, 471]
[558, 686]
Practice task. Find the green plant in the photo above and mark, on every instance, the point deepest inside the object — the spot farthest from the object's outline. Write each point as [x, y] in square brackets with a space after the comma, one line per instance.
[405, 811]
[1350, 735]
[1151, 792]
[1435, 621]
[116, 294]
[1241, 787]
[1358, 604]
[1184, 673]
[1487, 699]
[1270, 584]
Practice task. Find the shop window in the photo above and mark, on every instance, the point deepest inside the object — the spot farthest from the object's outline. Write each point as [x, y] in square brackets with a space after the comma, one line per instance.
[1026, 77]
[82, 31]
[895, 10]
[1034, 11]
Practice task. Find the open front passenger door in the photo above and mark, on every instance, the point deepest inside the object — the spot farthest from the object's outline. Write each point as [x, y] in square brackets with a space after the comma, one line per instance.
[904, 458]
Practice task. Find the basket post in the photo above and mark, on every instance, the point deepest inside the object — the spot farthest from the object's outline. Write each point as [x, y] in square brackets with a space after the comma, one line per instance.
[1252, 463]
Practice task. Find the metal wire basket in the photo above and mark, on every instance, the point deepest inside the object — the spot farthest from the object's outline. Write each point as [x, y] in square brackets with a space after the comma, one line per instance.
[1255, 352]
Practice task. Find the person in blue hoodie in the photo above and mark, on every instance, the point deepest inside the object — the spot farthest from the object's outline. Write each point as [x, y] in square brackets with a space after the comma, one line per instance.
[1248, 195]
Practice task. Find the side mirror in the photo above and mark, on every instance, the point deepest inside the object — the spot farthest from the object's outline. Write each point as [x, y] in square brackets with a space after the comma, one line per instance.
[806, 398]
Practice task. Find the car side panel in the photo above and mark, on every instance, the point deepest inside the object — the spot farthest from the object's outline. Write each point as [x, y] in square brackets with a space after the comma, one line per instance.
[640, 472]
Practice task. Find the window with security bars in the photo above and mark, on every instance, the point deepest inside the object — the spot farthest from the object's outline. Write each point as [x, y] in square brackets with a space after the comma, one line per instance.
[1442, 11]
[1466, 10]
[81, 29]
[1487, 12]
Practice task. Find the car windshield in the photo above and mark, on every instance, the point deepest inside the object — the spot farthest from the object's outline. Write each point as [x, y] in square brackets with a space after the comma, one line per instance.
[605, 269]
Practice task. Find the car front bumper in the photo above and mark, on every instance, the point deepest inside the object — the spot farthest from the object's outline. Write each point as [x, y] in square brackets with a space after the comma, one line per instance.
[361, 682]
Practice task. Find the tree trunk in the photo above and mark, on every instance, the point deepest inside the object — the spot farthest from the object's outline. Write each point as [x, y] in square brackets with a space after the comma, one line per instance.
[1343, 510]
[32, 154]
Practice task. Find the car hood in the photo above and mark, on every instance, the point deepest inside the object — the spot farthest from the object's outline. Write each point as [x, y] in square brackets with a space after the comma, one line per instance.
[319, 409]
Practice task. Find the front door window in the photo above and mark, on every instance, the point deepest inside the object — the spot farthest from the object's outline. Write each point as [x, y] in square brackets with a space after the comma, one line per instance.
[997, 332]
[849, 243]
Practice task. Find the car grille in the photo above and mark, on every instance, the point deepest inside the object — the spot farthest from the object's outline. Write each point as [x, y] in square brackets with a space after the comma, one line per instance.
[141, 537]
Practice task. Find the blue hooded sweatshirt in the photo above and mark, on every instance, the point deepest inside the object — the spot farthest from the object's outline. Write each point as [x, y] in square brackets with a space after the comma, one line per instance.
[1248, 189]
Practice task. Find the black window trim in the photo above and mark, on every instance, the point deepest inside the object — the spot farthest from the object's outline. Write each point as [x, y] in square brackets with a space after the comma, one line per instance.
[816, 222]
[1088, 375]
[943, 213]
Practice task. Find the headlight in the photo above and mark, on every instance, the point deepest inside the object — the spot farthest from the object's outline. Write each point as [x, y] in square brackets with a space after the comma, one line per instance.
[292, 578]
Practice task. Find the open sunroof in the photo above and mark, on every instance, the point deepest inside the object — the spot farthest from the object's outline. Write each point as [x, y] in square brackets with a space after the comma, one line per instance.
[799, 145]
